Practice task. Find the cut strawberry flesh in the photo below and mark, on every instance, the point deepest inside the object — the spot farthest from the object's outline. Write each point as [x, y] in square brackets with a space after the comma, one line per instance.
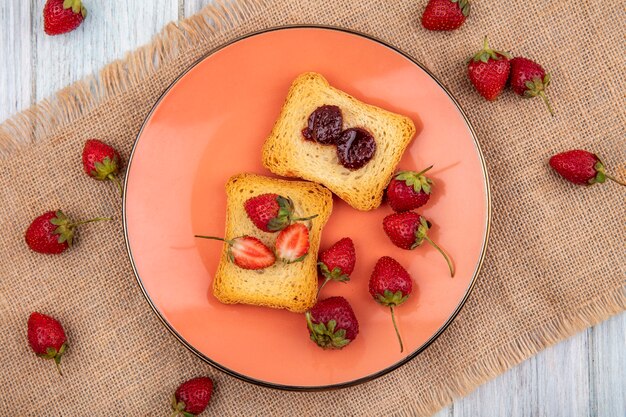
[251, 253]
[292, 243]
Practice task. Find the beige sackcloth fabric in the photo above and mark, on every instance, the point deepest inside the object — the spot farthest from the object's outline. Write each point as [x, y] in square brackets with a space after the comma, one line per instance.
[554, 266]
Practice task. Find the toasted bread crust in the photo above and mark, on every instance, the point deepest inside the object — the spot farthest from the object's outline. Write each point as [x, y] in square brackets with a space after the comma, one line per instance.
[286, 153]
[289, 286]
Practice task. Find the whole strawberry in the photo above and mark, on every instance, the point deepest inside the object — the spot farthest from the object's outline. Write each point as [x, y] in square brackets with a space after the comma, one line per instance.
[292, 243]
[192, 397]
[337, 262]
[271, 212]
[101, 162]
[409, 190]
[445, 14]
[529, 79]
[409, 230]
[332, 323]
[581, 167]
[247, 252]
[47, 338]
[53, 232]
[62, 16]
[390, 285]
[488, 70]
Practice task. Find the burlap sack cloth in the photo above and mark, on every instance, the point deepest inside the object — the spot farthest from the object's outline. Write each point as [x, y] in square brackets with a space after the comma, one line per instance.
[555, 262]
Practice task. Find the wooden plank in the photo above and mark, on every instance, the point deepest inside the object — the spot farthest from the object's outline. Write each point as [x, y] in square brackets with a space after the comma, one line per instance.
[194, 6]
[553, 383]
[111, 29]
[16, 72]
[608, 367]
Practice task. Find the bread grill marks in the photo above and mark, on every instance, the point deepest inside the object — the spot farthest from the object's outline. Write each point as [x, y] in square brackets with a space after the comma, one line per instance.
[355, 148]
[324, 125]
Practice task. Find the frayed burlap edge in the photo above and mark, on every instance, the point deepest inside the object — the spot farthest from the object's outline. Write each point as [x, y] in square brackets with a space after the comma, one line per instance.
[502, 358]
[75, 101]
[53, 114]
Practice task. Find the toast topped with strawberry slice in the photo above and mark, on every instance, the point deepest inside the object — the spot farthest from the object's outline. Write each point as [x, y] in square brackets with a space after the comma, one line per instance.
[285, 216]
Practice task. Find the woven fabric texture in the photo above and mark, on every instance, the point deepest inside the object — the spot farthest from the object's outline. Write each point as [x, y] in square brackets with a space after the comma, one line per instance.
[555, 262]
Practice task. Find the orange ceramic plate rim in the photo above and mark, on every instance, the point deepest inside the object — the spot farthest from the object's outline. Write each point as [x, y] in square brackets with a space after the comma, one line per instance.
[387, 369]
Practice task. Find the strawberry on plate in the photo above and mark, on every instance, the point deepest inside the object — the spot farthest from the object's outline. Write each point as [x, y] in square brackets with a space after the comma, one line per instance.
[292, 243]
[390, 285]
[409, 190]
[409, 230]
[337, 262]
[247, 252]
[332, 323]
[272, 212]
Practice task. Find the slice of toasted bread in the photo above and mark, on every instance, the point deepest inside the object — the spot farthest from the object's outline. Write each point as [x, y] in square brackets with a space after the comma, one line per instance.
[290, 286]
[287, 153]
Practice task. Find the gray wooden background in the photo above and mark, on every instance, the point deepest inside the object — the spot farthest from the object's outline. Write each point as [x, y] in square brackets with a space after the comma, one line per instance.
[582, 376]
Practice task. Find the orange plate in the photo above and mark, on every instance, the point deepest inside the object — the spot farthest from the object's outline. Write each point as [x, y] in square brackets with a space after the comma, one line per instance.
[211, 123]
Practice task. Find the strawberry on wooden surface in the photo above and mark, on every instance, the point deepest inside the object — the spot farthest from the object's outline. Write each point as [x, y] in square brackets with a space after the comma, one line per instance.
[47, 338]
[581, 167]
[529, 79]
[101, 162]
[53, 232]
[332, 323]
[488, 71]
[62, 16]
[192, 397]
[409, 190]
[247, 252]
[390, 285]
[409, 230]
[442, 15]
[337, 262]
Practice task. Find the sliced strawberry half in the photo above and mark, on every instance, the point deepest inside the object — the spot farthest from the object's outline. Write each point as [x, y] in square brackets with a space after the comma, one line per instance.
[292, 243]
[247, 252]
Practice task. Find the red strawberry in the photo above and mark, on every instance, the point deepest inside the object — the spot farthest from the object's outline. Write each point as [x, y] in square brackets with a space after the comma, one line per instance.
[62, 16]
[581, 167]
[409, 230]
[409, 190]
[271, 212]
[192, 397]
[247, 252]
[101, 161]
[390, 285]
[445, 14]
[528, 79]
[53, 232]
[332, 323]
[46, 337]
[292, 243]
[337, 262]
[488, 71]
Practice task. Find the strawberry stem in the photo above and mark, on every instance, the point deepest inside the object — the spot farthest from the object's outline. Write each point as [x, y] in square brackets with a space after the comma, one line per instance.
[117, 182]
[544, 97]
[424, 171]
[395, 326]
[304, 218]
[615, 179]
[322, 286]
[230, 242]
[309, 323]
[97, 219]
[58, 364]
[444, 255]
